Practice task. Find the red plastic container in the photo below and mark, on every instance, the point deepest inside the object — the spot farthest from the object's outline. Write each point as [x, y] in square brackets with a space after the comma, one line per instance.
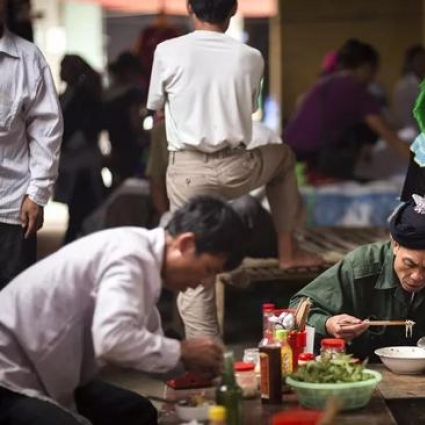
[296, 417]
[297, 341]
[189, 380]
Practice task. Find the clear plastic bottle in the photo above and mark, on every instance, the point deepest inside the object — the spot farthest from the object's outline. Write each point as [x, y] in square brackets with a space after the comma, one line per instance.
[329, 347]
[268, 311]
[286, 352]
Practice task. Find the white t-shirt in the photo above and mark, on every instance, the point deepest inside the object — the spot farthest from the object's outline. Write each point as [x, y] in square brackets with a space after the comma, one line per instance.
[263, 136]
[209, 84]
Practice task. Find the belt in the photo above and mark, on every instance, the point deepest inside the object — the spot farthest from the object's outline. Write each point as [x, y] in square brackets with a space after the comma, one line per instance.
[222, 153]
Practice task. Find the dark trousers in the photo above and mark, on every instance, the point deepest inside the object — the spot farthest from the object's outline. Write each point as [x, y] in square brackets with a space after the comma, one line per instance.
[16, 253]
[99, 402]
[262, 242]
[83, 200]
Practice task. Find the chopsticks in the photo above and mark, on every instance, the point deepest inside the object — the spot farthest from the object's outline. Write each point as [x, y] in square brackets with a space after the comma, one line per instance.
[333, 406]
[407, 323]
[384, 323]
[301, 313]
[160, 399]
[389, 322]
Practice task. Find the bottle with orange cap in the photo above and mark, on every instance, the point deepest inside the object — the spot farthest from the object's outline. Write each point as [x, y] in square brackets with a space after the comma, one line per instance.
[268, 311]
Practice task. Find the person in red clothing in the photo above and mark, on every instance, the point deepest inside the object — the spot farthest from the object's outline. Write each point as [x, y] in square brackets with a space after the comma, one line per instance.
[150, 37]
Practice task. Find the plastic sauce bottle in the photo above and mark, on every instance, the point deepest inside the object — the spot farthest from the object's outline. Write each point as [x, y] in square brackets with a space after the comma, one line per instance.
[271, 372]
[217, 415]
[268, 311]
[285, 352]
[329, 347]
[228, 393]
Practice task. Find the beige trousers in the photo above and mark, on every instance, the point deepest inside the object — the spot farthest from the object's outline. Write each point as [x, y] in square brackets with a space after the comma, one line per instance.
[230, 174]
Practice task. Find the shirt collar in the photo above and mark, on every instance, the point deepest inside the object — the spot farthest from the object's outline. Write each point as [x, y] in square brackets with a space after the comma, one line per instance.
[387, 278]
[7, 44]
[157, 238]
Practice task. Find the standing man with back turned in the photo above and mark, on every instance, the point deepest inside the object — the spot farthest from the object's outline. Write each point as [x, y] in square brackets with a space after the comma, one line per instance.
[209, 84]
[30, 137]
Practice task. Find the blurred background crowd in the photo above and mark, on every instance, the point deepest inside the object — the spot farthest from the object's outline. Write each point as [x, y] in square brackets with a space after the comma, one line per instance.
[369, 57]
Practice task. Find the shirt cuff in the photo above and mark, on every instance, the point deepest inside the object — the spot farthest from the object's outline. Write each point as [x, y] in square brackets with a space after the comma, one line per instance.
[172, 349]
[155, 104]
[318, 321]
[38, 195]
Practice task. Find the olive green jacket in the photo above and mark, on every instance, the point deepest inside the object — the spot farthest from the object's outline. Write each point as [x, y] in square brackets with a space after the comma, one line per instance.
[364, 285]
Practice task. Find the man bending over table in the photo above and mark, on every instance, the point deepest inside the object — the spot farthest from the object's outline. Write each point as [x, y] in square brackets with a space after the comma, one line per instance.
[93, 302]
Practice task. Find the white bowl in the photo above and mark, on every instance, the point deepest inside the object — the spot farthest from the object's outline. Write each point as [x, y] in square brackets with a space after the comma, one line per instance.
[189, 413]
[403, 360]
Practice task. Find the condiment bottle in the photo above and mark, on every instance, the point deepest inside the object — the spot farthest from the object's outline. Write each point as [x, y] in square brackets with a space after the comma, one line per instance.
[285, 352]
[246, 379]
[228, 393]
[304, 358]
[271, 372]
[329, 347]
[217, 415]
[268, 311]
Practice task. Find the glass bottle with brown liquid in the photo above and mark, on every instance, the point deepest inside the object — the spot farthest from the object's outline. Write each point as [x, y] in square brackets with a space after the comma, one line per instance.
[271, 372]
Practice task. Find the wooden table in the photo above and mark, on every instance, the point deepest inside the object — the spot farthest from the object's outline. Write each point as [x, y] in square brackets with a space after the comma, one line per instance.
[404, 395]
[398, 400]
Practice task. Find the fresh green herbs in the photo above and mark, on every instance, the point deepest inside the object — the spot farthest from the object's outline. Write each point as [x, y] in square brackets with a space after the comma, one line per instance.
[341, 368]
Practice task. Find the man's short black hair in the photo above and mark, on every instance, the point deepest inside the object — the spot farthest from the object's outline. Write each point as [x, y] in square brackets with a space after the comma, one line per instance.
[218, 229]
[213, 11]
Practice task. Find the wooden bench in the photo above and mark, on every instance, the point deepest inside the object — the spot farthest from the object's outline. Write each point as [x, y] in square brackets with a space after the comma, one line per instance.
[332, 243]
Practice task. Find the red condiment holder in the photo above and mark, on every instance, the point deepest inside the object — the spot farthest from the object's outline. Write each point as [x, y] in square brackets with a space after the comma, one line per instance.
[296, 417]
[297, 341]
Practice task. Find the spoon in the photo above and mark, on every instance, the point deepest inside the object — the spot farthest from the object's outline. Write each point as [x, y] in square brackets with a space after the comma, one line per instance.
[285, 319]
[160, 399]
[421, 342]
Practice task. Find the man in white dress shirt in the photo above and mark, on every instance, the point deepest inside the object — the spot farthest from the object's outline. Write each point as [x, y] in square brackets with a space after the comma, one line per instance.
[209, 83]
[30, 137]
[94, 302]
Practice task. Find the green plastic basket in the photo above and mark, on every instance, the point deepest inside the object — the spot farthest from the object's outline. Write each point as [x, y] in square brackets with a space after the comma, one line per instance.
[351, 394]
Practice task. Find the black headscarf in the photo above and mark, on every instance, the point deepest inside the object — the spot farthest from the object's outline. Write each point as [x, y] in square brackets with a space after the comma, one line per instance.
[407, 225]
